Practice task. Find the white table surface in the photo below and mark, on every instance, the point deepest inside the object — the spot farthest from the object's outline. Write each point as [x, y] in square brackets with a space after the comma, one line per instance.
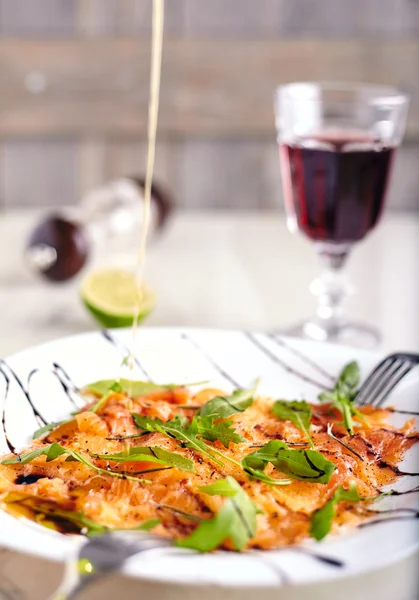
[225, 270]
[220, 270]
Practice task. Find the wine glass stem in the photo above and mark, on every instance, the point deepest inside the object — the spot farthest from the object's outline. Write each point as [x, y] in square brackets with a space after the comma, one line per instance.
[331, 288]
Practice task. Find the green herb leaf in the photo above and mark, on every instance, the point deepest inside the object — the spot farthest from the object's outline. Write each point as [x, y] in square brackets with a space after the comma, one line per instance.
[235, 521]
[343, 394]
[321, 520]
[47, 429]
[222, 431]
[349, 376]
[152, 454]
[303, 465]
[67, 518]
[148, 525]
[27, 457]
[116, 387]
[192, 434]
[52, 512]
[178, 428]
[100, 403]
[261, 476]
[128, 386]
[344, 405]
[56, 450]
[223, 407]
[53, 451]
[132, 388]
[298, 412]
[222, 487]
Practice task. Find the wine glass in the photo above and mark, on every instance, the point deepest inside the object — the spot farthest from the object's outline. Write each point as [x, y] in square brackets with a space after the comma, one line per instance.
[336, 143]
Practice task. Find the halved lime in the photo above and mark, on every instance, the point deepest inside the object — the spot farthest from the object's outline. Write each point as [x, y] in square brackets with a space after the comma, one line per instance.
[112, 298]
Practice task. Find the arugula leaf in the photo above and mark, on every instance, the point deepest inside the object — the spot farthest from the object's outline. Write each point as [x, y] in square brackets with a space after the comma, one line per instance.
[191, 434]
[303, 465]
[57, 450]
[261, 476]
[222, 431]
[321, 520]
[236, 520]
[47, 429]
[180, 429]
[132, 388]
[222, 487]
[349, 376]
[152, 454]
[52, 451]
[68, 519]
[78, 519]
[27, 457]
[344, 393]
[296, 411]
[223, 407]
[100, 403]
[128, 386]
[146, 525]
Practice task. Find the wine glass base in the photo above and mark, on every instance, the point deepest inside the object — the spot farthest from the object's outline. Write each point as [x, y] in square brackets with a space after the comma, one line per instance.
[355, 334]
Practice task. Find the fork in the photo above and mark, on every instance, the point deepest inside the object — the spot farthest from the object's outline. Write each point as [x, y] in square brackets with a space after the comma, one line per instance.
[385, 377]
[100, 556]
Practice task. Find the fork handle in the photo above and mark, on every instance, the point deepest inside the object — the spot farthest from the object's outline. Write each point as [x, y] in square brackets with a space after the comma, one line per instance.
[72, 583]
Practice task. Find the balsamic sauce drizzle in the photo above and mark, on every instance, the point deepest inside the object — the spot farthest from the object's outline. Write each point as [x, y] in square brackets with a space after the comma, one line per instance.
[209, 359]
[59, 372]
[124, 351]
[385, 465]
[274, 358]
[39, 418]
[11, 447]
[414, 515]
[279, 572]
[411, 491]
[283, 575]
[328, 560]
[67, 385]
[35, 411]
[280, 342]
[389, 511]
[402, 412]
[28, 479]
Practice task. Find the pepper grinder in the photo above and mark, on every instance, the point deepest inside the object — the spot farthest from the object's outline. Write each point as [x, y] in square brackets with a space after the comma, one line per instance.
[62, 243]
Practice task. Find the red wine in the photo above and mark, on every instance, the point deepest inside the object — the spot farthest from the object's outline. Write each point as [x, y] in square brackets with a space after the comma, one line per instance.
[335, 186]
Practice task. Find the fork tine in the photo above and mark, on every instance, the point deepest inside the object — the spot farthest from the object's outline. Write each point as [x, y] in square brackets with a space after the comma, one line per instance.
[400, 373]
[368, 385]
[382, 382]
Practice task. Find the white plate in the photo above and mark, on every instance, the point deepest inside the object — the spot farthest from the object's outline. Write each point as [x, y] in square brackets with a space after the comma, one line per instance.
[224, 357]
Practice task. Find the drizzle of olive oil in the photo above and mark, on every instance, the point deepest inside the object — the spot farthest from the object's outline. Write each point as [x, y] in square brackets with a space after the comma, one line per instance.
[153, 110]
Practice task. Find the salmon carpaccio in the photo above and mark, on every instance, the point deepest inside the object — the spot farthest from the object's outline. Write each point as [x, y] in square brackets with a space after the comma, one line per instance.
[120, 503]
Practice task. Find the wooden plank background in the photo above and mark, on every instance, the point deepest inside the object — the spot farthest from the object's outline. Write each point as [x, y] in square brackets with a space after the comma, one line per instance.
[74, 91]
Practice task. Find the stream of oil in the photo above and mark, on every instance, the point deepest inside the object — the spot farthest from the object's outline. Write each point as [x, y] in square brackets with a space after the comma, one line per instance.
[153, 111]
